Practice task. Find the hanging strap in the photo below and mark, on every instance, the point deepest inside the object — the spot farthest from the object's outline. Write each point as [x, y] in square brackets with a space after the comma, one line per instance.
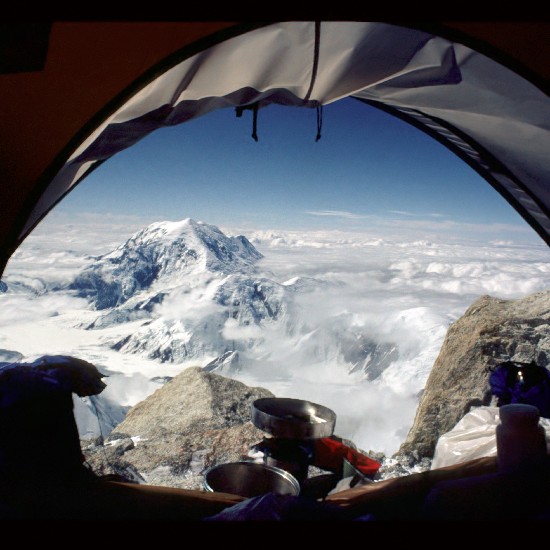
[255, 121]
[254, 107]
[319, 122]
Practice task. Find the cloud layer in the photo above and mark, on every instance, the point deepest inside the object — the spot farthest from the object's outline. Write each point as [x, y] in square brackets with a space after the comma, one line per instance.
[405, 290]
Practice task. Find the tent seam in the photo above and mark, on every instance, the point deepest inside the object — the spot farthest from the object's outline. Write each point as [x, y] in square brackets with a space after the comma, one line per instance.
[315, 66]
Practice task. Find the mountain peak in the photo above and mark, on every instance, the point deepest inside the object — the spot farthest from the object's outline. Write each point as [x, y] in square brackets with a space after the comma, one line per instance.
[165, 254]
[169, 229]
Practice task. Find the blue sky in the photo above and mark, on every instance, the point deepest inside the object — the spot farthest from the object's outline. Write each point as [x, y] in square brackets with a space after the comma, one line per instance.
[367, 166]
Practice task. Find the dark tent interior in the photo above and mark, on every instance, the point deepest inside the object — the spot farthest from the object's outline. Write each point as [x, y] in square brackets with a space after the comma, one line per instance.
[77, 93]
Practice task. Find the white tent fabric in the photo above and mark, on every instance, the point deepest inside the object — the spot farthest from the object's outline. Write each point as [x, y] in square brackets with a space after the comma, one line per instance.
[493, 118]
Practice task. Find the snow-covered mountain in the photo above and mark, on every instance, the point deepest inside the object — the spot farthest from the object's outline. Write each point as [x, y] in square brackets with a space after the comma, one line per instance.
[162, 256]
[200, 296]
[204, 329]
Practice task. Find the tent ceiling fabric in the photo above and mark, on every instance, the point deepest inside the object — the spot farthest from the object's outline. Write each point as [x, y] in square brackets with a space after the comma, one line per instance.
[104, 86]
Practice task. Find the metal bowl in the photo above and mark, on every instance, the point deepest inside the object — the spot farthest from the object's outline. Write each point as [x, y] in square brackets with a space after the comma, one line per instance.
[250, 479]
[293, 418]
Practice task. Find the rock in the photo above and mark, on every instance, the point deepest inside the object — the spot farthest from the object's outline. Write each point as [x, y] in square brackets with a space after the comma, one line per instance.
[181, 461]
[491, 331]
[194, 421]
[401, 465]
[106, 461]
[370, 357]
[193, 401]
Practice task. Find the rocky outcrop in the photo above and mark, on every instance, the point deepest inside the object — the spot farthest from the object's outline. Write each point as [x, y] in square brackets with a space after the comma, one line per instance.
[196, 420]
[490, 331]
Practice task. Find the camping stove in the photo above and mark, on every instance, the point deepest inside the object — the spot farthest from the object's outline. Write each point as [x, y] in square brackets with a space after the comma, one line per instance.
[294, 425]
[291, 455]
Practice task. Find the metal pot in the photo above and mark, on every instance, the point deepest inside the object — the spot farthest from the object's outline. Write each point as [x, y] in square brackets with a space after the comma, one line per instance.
[293, 418]
[250, 479]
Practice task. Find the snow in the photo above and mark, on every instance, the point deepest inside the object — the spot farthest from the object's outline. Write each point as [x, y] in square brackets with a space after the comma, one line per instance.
[326, 291]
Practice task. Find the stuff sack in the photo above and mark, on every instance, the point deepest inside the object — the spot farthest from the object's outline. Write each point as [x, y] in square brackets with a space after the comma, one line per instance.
[526, 383]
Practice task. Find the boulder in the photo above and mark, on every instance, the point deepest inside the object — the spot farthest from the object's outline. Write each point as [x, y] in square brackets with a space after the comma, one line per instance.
[194, 421]
[491, 331]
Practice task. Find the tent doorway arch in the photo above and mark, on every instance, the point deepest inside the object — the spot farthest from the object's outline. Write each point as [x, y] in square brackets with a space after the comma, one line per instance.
[495, 118]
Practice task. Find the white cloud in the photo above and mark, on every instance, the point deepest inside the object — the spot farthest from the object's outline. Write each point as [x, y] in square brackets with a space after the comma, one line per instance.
[195, 302]
[416, 214]
[233, 331]
[22, 308]
[402, 213]
[404, 287]
[335, 213]
[453, 229]
[128, 389]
